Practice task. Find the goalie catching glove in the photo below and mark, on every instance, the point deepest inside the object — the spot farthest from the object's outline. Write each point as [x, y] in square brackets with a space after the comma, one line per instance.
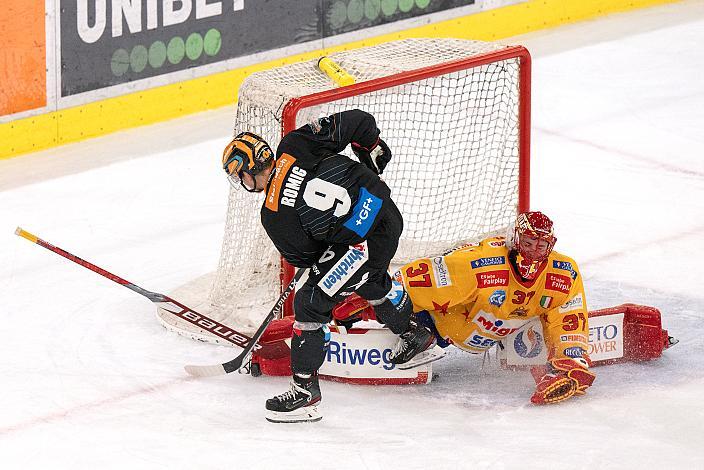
[375, 157]
[560, 380]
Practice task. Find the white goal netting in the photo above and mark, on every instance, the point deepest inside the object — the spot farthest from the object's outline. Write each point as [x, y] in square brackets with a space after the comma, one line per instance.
[454, 173]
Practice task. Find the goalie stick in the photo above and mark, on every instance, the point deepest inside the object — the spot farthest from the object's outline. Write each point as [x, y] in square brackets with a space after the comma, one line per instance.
[236, 363]
[163, 301]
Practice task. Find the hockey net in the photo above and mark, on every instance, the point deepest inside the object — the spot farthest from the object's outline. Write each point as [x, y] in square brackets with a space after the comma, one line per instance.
[455, 114]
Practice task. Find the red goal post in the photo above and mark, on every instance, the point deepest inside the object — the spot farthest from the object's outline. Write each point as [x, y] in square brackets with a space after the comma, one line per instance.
[456, 115]
[293, 107]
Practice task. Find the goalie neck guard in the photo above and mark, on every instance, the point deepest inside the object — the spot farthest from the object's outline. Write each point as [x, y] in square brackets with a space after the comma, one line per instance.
[532, 238]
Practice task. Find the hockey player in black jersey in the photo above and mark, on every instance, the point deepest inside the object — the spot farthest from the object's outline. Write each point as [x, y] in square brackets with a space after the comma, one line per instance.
[335, 216]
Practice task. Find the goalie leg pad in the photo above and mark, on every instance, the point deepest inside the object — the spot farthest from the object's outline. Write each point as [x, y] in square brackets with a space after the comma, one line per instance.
[353, 308]
[278, 330]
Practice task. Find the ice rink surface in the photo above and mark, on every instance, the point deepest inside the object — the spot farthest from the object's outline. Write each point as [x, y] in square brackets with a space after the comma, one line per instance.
[91, 380]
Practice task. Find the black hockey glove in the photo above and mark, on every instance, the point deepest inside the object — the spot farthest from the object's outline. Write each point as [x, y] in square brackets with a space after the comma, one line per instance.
[375, 158]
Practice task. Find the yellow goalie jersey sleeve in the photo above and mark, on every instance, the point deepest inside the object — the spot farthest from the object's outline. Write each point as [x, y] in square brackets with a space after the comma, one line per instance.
[476, 298]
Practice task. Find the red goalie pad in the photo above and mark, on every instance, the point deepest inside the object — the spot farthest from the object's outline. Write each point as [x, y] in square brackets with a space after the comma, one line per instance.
[274, 357]
[624, 333]
[353, 308]
[278, 330]
[643, 336]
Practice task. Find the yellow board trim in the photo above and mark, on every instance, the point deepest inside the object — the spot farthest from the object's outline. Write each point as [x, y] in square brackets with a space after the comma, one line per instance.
[167, 102]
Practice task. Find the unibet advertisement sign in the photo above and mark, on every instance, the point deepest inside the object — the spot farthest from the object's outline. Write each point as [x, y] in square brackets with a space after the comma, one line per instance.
[110, 42]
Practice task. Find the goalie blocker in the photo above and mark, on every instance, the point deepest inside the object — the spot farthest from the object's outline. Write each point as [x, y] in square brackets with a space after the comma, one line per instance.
[624, 333]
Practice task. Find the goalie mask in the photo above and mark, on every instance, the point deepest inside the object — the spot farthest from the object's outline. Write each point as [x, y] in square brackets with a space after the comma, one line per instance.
[247, 153]
[533, 239]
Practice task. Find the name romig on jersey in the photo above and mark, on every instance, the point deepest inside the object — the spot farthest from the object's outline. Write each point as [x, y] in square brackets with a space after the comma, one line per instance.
[476, 299]
[292, 186]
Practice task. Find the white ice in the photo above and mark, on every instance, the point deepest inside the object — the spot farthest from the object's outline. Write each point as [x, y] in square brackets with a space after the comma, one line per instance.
[91, 380]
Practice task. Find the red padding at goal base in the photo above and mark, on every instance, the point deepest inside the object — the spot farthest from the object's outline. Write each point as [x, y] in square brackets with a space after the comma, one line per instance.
[278, 330]
[275, 356]
[273, 366]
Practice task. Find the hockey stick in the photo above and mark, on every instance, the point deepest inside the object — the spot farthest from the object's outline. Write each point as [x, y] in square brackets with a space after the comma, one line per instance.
[163, 301]
[236, 363]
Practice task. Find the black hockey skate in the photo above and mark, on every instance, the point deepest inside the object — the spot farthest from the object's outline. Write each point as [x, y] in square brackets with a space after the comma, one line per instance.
[415, 347]
[299, 404]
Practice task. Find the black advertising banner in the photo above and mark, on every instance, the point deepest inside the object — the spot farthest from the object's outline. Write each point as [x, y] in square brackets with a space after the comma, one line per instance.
[110, 42]
[343, 16]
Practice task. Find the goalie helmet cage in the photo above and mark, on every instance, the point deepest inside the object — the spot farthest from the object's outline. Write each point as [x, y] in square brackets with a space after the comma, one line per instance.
[456, 115]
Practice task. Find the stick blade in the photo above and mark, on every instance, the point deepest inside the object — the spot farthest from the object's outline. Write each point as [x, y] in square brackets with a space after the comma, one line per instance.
[205, 371]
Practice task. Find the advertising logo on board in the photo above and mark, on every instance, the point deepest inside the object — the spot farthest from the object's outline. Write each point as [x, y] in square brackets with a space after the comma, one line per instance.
[110, 42]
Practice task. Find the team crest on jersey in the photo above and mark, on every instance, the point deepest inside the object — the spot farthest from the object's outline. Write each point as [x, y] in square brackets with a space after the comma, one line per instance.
[558, 282]
[520, 312]
[565, 266]
[497, 243]
[492, 279]
[442, 274]
[490, 261]
[498, 297]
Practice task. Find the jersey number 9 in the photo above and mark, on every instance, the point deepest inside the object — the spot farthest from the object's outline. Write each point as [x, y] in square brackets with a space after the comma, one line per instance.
[324, 195]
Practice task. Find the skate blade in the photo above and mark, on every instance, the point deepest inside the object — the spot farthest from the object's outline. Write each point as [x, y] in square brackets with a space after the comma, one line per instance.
[423, 358]
[307, 414]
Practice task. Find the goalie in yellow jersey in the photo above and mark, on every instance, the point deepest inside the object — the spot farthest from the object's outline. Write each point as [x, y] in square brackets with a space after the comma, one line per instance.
[478, 294]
